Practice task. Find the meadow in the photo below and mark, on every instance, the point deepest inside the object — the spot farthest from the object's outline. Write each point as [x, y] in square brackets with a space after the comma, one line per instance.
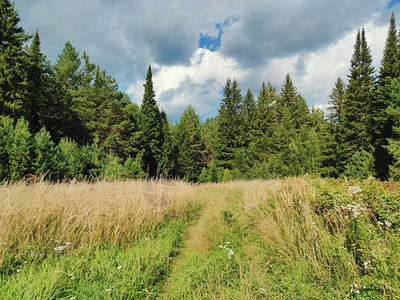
[294, 238]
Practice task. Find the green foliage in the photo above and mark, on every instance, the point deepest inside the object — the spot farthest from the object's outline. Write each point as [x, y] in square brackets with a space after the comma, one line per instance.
[230, 125]
[44, 153]
[70, 160]
[227, 176]
[12, 63]
[20, 150]
[382, 123]
[360, 166]
[189, 145]
[152, 128]
[355, 130]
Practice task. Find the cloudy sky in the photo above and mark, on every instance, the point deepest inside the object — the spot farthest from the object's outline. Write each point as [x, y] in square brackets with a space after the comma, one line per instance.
[194, 46]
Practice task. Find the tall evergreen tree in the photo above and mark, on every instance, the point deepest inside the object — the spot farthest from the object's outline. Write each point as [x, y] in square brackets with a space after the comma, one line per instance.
[266, 106]
[381, 122]
[152, 128]
[355, 131]
[336, 102]
[189, 144]
[249, 111]
[12, 63]
[294, 102]
[230, 125]
[331, 133]
[37, 85]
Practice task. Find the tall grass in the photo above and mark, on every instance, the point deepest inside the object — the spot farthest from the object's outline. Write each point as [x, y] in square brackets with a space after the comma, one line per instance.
[295, 238]
[81, 215]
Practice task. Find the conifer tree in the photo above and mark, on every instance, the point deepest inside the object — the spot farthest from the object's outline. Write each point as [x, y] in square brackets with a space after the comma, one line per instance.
[152, 128]
[43, 148]
[266, 105]
[355, 132]
[249, 111]
[37, 85]
[190, 148]
[336, 101]
[294, 102]
[381, 122]
[230, 125]
[12, 63]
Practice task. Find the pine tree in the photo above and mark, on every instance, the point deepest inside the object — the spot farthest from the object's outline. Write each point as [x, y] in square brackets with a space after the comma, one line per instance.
[63, 119]
[12, 63]
[230, 125]
[382, 124]
[43, 148]
[152, 128]
[20, 150]
[355, 131]
[266, 105]
[249, 111]
[37, 85]
[189, 145]
[294, 102]
[336, 101]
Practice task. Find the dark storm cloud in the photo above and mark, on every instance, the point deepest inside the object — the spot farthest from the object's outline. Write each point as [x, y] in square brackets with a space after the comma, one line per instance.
[274, 29]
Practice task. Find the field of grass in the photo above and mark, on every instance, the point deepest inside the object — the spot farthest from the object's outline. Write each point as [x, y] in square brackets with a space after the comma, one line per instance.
[296, 238]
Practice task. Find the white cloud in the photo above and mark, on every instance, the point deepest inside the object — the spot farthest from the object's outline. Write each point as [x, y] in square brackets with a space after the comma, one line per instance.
[198, 83]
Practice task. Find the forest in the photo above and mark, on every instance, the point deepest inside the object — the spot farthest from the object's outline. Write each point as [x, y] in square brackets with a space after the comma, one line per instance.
[69, 120]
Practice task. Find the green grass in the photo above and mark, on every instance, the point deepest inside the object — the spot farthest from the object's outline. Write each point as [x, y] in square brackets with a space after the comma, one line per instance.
[298, 238]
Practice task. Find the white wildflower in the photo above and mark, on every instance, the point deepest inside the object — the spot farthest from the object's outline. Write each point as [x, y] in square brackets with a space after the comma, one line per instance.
[119, 267]
[108, 290]
[365, 264]
[354, 190]
[18, 270]
[380, 223]
[355, 210]
[263, 290]
[388, 224]
[59, 248]
[67, 243]
[4, 244]
[72, 298]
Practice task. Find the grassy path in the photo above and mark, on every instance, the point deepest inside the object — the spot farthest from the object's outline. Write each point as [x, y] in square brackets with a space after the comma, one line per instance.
[278, 239]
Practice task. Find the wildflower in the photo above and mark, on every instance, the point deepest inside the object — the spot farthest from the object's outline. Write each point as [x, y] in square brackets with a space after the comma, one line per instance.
[388, 224]
[18, 270]
[4, 244]
[119, 267]
[229, 250]
[354, 210]
[380, 223]
[67, 243]
[354, 190]
[59, 248]
[263, 290]
[72, 298]
[365, 264]
[108, 290]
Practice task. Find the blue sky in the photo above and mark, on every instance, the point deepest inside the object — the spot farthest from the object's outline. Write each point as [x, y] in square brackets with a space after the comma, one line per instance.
[194, 46]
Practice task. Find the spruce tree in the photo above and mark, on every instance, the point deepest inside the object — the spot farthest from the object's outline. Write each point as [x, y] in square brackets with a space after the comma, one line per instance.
[381, 122]
[230, 125]
[294, 102]
[266, 106]
[336, 102]
[249, 111]
[189, 145]
[12, 63]
[37, 86]
[355, 131]
[152, 128]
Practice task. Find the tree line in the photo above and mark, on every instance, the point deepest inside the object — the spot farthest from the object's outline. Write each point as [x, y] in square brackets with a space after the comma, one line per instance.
[69, 120]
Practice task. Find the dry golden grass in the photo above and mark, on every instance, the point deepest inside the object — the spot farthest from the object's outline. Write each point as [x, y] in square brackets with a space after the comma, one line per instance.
[84, 214]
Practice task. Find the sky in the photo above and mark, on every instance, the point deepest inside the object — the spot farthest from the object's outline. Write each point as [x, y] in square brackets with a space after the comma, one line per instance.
[195, 46]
